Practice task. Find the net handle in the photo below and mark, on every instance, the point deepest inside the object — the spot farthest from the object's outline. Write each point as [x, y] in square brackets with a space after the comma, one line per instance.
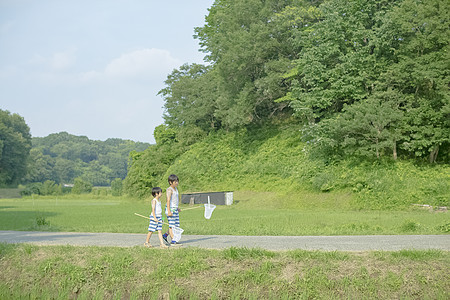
[150, 219]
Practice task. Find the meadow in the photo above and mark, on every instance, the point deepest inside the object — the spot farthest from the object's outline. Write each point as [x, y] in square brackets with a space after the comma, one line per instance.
[67, 272]
[262, 213]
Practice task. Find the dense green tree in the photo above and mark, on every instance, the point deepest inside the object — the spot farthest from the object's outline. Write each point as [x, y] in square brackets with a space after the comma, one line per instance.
[416, 42]
[377, 56]
[81, 187]
[147, 167]
[246, 41]
[368, 128]
[49, 187]
[337, 64]
[189, 96]
[116, 187]
[15, 145]
[40, 167]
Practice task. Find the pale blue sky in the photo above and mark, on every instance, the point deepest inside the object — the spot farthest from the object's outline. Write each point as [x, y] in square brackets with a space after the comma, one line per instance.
[94, 67]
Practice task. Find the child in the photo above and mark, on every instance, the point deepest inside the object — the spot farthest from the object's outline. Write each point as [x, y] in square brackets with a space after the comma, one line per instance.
[155, 218]
[172, 210]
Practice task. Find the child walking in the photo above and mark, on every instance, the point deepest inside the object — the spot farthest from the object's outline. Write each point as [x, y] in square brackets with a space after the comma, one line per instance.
[155, 218]
[172, 210]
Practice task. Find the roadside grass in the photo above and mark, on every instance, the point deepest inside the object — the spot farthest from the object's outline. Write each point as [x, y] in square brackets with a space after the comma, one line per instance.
[252, 213]
[68, 272]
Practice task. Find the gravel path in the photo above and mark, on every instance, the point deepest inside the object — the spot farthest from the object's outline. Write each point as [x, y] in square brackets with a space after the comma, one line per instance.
[327, 243]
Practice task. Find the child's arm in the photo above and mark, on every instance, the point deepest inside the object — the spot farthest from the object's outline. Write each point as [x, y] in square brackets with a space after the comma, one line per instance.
[153, 210]
[168, 196]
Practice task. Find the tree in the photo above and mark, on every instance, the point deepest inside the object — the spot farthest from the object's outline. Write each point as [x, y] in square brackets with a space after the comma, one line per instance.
[15, 145]
[189, 96]
[81, 187]
[368, 128]
[40, 167]
[416, 42]
[116, 187]
[337, 64]
[244, 40]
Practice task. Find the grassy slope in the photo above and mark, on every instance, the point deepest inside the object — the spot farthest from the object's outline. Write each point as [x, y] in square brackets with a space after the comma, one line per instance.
[275, 159]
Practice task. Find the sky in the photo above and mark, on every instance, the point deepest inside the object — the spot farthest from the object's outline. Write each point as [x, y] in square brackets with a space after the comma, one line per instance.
[94, 67]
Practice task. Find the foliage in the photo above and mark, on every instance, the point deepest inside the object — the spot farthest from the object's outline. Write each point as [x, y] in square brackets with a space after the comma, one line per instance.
[61, 157]
[364, 77]
[147, 167]
[15, 145]
[327, 96]
[374, 76]
[81, 187]
[274, 158]
[116, 187]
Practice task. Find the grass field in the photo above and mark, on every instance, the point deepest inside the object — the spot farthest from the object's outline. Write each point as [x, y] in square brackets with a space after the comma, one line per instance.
[252, 214]
[66, 272]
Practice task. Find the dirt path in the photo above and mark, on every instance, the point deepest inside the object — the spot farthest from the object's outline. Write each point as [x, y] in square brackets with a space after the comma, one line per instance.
[328, 243]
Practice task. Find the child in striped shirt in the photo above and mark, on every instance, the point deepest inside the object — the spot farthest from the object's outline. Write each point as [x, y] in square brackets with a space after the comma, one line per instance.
[172, 209]
[155, 218]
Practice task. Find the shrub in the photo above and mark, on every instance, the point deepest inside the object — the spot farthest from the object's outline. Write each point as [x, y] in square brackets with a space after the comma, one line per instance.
[81, 187]
[116, 187]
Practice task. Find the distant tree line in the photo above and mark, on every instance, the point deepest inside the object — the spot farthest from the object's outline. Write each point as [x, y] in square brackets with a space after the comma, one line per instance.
[365, 77]
[62, 157]
[47, 163]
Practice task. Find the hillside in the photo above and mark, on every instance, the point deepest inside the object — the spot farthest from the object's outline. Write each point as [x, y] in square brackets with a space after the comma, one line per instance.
[273, 158]
[62, 157]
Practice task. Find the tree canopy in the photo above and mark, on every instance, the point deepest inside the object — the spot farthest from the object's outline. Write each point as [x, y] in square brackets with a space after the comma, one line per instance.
[15, 145]
[62, 157]
[323, 62]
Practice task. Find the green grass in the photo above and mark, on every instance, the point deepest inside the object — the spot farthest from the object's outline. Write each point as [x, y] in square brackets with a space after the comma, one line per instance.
[252, 214]
[67, 272]
[10, 193]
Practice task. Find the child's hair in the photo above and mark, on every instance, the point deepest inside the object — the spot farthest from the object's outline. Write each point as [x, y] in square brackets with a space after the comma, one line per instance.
[172, 178]
[156, 191]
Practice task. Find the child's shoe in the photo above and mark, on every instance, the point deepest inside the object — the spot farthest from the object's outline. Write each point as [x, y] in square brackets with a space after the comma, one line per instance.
[162, 246]
[175, 244]
[165, 236]
[147, 245]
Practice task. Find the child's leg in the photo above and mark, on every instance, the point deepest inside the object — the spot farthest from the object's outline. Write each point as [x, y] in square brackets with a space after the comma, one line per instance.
[173, 221]
[149, 234]
[151, 228]
[161, 242]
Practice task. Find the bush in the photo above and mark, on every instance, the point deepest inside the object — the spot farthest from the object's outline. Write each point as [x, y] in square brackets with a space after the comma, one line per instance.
[116, 187]
[81, 187]
[32, 188]
[50, 188]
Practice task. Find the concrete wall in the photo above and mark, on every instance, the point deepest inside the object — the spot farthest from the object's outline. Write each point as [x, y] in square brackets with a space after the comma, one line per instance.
[216, 198]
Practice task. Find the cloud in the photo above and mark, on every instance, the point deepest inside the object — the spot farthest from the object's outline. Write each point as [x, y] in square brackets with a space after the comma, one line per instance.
[58, 61]
[148, 64]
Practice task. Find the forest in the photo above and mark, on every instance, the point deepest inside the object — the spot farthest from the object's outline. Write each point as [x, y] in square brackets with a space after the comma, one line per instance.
[46, 164]
[316, 94]
[353, 82]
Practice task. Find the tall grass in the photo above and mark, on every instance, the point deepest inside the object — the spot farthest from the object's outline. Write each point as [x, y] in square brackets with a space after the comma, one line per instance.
[66, 272]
